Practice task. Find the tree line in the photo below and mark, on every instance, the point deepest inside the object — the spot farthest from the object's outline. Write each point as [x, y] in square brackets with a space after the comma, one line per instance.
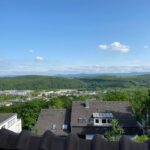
[47, 82]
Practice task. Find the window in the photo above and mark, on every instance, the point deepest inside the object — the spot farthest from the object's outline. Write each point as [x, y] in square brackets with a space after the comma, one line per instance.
[109, 121]
[103, 120]
[97, 121]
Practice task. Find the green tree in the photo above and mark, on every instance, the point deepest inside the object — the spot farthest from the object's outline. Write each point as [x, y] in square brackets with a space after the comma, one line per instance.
[116, 132]
[141, 138]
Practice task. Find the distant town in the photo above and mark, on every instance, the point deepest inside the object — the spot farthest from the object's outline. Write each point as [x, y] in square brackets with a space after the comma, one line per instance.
[27, 95]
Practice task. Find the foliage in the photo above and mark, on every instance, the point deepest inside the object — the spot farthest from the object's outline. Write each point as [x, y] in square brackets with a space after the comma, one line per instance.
[39, 83]
[33, 82]
[141, 138]
[5, 97]
[115, 133]
[61, 102]
[138, 98]
[28, 112]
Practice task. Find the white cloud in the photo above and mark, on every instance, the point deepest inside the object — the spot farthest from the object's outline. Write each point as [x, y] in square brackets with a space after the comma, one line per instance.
[103, 47]
[31, 51]
[42, 69]
[145, 46]
[115, 46]
[107, 69]
[39, 58]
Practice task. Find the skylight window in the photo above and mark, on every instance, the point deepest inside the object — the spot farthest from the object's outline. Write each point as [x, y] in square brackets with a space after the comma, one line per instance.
[103, 115]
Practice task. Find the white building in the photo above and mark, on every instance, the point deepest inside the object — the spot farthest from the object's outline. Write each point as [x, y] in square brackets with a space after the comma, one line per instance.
[16, 92]
[11, 122]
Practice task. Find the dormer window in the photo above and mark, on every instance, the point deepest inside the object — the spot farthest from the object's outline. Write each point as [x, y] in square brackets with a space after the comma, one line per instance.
[102, 119]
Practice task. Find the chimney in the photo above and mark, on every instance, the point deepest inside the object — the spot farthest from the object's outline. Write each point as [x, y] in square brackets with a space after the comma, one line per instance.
[87, 105]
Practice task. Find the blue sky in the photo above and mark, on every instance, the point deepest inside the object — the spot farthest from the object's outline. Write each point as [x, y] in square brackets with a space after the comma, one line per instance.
[74, 36]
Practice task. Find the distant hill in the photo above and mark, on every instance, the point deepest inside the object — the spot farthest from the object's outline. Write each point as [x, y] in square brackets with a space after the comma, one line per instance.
[83, 75]
[34, 82]
[39, 82]
[107, 81]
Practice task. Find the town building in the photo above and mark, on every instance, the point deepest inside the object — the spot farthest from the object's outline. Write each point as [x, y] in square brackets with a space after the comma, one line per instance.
[16, 92]
[88, 118]
[11, 122]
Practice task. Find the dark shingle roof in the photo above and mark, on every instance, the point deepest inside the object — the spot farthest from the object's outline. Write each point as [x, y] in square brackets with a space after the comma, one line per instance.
[50, 117]
[121, 111]
[5, 116]
[48, 141]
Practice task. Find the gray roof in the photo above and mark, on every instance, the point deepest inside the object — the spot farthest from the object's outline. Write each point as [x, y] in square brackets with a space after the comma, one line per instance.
[121, 111]
[5, 116]
[50, 117]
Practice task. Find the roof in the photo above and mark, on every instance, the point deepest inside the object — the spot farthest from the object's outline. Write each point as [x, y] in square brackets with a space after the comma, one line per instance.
[53, 120]
[5, 116]
[48, 141]
[121, 111]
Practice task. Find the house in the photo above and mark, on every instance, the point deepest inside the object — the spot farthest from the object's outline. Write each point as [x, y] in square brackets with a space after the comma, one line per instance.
[88, 118]
[11, 122]
[56, 120]
[94, 117]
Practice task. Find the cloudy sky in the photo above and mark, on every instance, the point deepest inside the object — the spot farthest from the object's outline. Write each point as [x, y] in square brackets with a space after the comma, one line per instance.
[74, 36]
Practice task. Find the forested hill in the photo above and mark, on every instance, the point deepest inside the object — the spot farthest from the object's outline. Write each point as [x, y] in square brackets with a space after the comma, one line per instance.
[48, 82]
[39, 82]
[118, 81]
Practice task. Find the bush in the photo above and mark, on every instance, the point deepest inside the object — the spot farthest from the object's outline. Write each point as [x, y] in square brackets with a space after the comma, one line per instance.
[116, 132]
[141, 138]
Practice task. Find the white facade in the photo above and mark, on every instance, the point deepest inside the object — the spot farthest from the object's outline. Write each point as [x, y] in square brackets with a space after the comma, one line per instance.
[102, 119]
[12, 123]
[102, 122]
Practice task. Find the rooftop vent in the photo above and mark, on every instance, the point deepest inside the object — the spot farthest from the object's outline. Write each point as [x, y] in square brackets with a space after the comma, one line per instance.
[54, 126]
